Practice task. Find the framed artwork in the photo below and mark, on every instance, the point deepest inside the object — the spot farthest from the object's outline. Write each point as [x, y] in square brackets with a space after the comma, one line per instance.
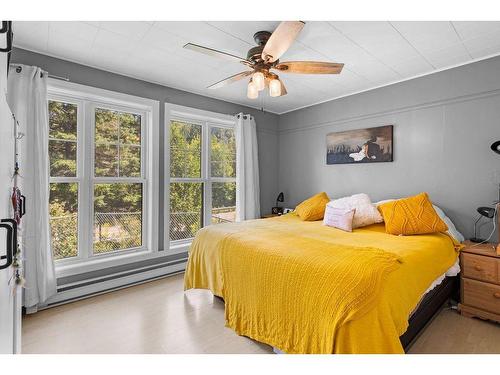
[370, 145]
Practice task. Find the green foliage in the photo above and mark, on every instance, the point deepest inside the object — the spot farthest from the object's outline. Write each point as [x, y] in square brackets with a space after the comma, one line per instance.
[118, 144]
[62, 134]
[185, 150]
[63, 198]
[118, 197]
[222, 152]
[117, 216]
[223, 194]
[62, 120]
[186, 209]
[223, 164]
[63, 158]
[64, 221]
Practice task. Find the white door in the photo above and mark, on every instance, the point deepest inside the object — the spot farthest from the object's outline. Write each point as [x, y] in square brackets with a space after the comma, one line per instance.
[10, 298]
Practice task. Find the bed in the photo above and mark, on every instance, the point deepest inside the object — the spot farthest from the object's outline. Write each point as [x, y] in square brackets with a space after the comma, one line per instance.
[302, 287]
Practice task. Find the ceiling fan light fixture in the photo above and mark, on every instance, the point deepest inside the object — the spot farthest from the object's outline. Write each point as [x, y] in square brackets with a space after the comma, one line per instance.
[259, 80]
[274, 87]
[263, 60]
[252, 92]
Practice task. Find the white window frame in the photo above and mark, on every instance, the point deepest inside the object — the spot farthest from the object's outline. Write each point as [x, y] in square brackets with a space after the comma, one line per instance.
[207, 120]
[88, 98]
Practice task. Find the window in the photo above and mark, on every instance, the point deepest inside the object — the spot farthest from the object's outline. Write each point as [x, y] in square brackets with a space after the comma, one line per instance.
[102, 161]
[118, 181]
[64, 181]
[223, 174]
[202, 167]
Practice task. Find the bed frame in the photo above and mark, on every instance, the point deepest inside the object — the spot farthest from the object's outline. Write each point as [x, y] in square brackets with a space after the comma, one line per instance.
[429, 306]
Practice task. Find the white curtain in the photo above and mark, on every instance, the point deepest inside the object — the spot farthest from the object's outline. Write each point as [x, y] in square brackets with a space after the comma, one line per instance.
[27, 97]
[247, 169]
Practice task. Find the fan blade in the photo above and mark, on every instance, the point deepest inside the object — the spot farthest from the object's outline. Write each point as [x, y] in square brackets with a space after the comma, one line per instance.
[309, 67]
[281, 39]
[215, 53]
[232, 79]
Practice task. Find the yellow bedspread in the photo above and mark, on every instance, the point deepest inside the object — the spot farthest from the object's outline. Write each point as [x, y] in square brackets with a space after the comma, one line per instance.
[306, 288]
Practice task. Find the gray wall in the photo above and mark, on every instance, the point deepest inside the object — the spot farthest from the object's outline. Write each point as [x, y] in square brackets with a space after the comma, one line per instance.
[267, 123]
[444, 124]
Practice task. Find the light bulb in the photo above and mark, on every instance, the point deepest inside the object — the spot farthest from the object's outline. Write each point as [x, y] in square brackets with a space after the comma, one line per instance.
[259, 80]
[274, 87]
[252, 92]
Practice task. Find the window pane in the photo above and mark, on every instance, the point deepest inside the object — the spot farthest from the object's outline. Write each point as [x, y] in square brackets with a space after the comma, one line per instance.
[130, 161]
[117, 216]
[62, 156]
[118, 144]
[185, 150]
[62, 120]
[106, 160]
[63, 207]
[186, 212]
[130, 129]
[222, 152]
[106, 126]
[223, 202]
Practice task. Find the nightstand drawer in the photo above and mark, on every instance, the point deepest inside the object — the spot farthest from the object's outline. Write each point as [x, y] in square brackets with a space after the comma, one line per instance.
[481, 295]
[481, 268]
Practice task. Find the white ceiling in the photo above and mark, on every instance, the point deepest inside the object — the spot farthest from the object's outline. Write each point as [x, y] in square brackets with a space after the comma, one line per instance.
[374, 53]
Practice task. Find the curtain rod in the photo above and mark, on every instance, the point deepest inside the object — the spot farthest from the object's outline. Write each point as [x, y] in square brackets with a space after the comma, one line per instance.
[244, 116]
[50, 75]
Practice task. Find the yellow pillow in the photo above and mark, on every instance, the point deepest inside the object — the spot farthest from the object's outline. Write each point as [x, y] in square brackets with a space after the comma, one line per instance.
[313, 209]
[412, 215]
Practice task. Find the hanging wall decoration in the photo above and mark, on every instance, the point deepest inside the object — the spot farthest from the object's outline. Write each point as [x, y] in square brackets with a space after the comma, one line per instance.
[370, 145]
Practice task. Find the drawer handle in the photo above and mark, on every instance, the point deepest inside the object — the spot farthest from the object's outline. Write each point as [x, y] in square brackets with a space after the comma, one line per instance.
[477, 267]
[496, 294]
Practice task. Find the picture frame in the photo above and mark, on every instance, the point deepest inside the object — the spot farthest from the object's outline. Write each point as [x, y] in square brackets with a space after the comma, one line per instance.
[368, 145]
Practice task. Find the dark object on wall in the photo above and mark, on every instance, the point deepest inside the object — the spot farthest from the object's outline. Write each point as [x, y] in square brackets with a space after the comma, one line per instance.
[495, 146]
[488, 212]
[7, 30]
[278, 210]
[370, 145]
[11, 242]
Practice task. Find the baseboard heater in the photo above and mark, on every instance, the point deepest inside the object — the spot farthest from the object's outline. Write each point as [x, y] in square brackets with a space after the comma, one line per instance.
[105, 284]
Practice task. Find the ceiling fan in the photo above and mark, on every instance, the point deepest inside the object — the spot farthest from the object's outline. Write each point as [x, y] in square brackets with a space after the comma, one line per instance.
[265, 57]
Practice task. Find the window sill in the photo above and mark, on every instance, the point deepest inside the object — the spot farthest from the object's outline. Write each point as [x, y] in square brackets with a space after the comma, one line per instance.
[182, 247]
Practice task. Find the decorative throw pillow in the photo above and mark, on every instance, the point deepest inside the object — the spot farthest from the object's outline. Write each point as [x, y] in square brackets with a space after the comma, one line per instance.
[412, 215]
[365, 212]
[340, 218]
[313, 209]
[452, 230]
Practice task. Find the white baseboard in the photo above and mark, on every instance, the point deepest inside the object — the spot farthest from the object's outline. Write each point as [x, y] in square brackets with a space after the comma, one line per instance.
[86, 291]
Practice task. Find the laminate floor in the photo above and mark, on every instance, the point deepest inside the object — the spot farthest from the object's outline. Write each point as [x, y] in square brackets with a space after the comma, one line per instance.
[158, 317]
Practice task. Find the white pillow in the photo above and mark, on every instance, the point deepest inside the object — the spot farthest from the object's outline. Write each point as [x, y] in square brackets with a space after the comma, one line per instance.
[365, 212]
[452, 230]
[340, 218]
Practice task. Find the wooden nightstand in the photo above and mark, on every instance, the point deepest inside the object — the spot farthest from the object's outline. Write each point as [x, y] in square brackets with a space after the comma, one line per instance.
[480, 281]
